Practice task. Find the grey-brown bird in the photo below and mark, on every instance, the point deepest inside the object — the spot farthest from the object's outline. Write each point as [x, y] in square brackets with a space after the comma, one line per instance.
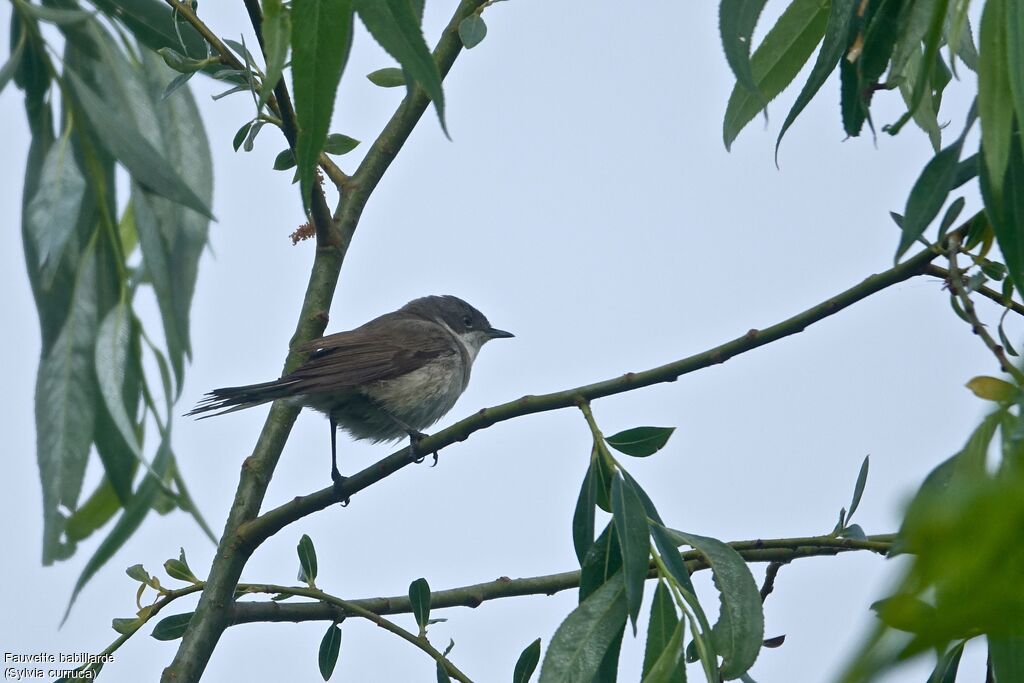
[391, 377]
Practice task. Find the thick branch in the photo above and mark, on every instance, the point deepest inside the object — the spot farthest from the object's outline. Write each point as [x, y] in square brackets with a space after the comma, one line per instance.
[210, 618]
[781, 550]
[255, 532]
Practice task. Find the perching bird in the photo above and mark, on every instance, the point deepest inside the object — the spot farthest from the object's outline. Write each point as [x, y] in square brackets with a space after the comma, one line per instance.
[392, 377]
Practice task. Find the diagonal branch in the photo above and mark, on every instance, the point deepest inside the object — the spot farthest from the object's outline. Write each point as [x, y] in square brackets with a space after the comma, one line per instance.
[987, 292]
[255, 532]
[210, 618]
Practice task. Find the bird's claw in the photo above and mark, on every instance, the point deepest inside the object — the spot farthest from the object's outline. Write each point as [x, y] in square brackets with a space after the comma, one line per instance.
[337, 481]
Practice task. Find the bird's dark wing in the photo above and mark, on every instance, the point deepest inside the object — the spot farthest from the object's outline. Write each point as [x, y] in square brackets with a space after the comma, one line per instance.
[382, 349]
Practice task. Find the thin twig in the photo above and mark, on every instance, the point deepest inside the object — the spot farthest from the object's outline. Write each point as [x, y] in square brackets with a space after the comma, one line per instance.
[987, 292]
[960, 293]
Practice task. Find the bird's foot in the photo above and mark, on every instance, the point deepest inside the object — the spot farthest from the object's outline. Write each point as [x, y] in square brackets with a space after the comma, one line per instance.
[338, 481]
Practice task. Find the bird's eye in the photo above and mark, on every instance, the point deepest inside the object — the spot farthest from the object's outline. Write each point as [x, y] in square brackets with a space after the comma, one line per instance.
[467, 321]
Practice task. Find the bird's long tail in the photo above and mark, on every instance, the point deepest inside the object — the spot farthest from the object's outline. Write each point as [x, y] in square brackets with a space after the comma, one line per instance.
[230, 399]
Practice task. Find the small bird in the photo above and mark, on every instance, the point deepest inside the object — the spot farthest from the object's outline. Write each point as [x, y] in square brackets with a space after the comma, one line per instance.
[389, 378]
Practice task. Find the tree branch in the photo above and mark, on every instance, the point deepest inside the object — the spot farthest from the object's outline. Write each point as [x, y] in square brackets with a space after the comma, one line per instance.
[781, 550]
[959, 292]
[210, 618]
[987, 292]
[255, 532]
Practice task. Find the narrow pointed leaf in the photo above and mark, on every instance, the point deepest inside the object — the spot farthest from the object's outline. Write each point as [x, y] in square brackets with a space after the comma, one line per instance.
[307, 559]
[330, 646]
[580, 643]
[736, 22]
[776, 62]
[387, 78]
[994, 92]
[130, 520]
[669, 666]
[583, 517]
[858, 488]
[631, 528]
[277, 35]
[660, 627]
[122, 139]
[112, 345]
[53, 212]
[419, 598]
[172, 627]
[740, 628]
[340, 144]
[837, 37]
[527, 663]
[321, 39]
[641, 442]
[395, 25]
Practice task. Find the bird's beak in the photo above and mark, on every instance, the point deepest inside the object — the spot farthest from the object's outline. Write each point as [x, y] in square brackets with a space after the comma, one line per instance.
[498, 334]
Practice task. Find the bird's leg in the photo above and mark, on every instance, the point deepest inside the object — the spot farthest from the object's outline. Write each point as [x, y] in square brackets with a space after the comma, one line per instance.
[336, 476]
[415, 436]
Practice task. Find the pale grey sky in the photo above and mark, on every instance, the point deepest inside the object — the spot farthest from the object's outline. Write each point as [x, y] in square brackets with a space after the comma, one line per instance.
[585, 203]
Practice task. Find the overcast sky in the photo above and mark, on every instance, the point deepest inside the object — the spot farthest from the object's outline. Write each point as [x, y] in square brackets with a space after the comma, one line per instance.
[586, 204]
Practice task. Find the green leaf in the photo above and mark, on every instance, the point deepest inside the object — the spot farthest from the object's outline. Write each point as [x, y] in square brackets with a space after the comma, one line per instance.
[14, 61]
[442, 675]
[172, 239]
[139, 573]
[602, 562]
[858, 488]
[670, 666]
[130, 520]
[527, 662]
[126, 626]
[151, 21]
[330, 646]
[1005, 210]
[580, 643]
[284, 160]
[668, 548]
[321, 39]
[240, 135]
[1007, 654]
[740, 628]
[419, 598]
[776, 62]
[53, 211]
[179, 569]
[641, 442]
[307, 560]
[631, 528]
[65, 408]
[1014, 15]
[112, 347]
[387, 78]
[736, 22]
[946, 668]
[94, 513]
[994, 92]
[179, 62]
[837, 37]
[54, 15]
[277, 35]
[172, 627]
[121, 138]
[472, 31]
[930, 191]
[660, 627]
[583, 516]
[924, 81]
[340, 144]
[394, 24]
